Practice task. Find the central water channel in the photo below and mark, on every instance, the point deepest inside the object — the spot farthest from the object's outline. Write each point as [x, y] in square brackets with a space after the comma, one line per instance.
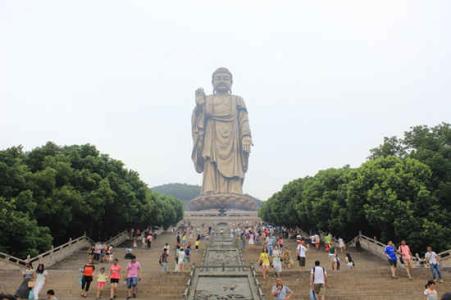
[223, 275]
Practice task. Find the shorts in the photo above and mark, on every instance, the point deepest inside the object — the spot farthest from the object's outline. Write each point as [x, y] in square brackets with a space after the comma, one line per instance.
[393, 263]
[319, 289]
[407, 261]
[302, 261]
[132, 282]
[114, 280]
[101, 284]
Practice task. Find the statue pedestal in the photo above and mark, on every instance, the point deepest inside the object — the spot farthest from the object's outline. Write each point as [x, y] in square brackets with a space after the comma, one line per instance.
[223, 202]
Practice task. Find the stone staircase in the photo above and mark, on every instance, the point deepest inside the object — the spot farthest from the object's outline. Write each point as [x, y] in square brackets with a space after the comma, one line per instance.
[64, 277]
[370, 279]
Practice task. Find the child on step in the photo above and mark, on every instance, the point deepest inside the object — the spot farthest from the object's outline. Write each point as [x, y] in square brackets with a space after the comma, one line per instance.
[430, 292]
[101, 279]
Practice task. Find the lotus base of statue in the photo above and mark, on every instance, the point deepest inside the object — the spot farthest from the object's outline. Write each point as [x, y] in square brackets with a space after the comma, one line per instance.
[223, 202]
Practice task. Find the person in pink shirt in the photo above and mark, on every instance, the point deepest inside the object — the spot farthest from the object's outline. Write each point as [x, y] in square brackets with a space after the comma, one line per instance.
[406, 255]
[133, 270]
[115, 276]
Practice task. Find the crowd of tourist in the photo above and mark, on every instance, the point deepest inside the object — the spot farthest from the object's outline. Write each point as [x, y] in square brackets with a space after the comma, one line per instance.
[103, 272]
[275, 256]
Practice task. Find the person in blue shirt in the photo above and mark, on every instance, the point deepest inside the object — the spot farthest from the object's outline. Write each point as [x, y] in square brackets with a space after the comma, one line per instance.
[390, 253]
[281, 291]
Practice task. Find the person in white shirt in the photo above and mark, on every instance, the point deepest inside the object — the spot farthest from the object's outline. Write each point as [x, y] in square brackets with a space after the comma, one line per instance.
[318, 281]
[181, 260]
[433, 260]
[301, 252]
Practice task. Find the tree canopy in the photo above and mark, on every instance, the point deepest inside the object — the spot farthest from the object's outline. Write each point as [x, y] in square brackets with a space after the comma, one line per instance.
[52, 193]
[403, 191]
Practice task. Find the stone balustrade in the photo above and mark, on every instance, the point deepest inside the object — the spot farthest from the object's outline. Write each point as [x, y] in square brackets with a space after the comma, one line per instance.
[59, 253]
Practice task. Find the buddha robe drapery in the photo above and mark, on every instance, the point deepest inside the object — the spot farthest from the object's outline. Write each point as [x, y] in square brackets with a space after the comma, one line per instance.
[218, 128]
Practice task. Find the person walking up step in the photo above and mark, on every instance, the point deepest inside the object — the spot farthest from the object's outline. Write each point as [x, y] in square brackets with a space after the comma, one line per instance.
[390, 253]
[318, 282]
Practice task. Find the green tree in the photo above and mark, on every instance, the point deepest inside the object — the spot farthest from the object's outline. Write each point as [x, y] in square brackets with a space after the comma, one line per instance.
[73, 190]
[20, 235]
[401, 192]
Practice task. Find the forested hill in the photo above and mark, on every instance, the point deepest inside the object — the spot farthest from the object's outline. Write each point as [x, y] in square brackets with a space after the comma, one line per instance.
[184, 192]
[54, 193]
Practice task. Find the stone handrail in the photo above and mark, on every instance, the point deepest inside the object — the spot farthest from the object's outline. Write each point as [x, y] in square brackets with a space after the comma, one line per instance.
[61, 252]
[371, 245]
[118, 239]
[257, 283]
[51, 256]
[11, 260]
[189, 283]
[377, 248]
[445, 258]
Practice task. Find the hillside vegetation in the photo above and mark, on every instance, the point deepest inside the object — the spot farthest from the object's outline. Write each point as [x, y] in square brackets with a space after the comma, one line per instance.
[181, 191]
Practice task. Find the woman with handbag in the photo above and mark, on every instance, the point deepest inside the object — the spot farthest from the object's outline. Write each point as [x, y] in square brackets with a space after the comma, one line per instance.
[27, 284]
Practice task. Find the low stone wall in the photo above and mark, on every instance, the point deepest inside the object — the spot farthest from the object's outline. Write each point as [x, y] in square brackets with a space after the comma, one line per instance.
[60, 253]
[212, 218]
[57, 254]
[372, 246]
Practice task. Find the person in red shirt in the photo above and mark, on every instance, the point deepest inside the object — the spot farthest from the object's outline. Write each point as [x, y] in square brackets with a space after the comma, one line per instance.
[88, 273]
[115, 277]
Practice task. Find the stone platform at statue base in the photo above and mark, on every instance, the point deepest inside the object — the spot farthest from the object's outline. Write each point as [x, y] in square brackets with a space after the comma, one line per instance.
[212, 217]
[223, 202]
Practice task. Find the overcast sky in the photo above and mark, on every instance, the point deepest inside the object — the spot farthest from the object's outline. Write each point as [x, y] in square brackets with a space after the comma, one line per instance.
[324, 81]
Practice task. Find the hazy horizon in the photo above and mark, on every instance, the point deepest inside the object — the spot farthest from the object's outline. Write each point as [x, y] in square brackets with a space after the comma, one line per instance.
[323, 81]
